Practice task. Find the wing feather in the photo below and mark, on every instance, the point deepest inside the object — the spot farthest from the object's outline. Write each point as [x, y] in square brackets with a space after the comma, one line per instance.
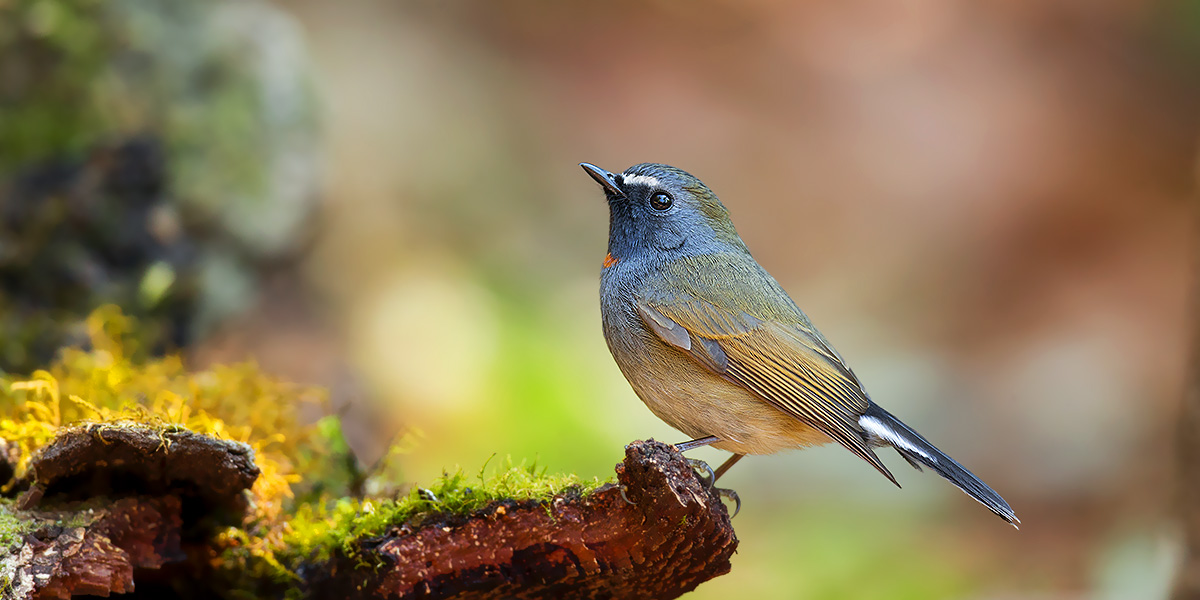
[783, 360]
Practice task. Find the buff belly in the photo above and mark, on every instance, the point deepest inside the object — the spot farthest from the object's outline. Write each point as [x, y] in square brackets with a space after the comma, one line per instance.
[699, 403]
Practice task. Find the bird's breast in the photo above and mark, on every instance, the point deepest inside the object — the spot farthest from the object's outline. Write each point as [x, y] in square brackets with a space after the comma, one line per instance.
[684, 393]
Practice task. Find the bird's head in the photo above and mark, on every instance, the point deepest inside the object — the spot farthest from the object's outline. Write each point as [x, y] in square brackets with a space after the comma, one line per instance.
[659, 211]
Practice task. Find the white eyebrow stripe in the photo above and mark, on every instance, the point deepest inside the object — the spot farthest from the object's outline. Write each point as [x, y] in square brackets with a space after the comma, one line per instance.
[641, 179]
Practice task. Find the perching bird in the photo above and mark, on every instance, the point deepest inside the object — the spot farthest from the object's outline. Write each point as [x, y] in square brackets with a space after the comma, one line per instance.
[715, 347]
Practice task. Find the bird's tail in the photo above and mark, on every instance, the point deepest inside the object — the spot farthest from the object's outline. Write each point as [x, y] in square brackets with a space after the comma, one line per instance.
[884, 429]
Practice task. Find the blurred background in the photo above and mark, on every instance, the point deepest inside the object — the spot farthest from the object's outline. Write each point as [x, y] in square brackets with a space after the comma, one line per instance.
[987, 207]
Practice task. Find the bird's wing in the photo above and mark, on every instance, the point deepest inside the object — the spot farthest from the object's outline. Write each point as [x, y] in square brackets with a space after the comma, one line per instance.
[768, 347]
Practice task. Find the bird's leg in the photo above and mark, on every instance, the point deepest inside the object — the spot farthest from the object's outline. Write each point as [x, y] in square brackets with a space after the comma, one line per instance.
[696, 443]
[729, 462]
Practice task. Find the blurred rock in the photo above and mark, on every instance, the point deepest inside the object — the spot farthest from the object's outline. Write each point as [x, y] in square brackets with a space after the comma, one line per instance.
[158, 155]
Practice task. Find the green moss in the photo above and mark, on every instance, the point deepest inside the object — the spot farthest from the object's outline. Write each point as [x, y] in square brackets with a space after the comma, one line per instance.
[15, 524]
[320, 531]
[293, 520]
[82, 72]
[12, 527]
[41, 102]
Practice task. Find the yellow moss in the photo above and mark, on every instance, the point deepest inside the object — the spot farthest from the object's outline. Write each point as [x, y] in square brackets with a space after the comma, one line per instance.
[103, 385]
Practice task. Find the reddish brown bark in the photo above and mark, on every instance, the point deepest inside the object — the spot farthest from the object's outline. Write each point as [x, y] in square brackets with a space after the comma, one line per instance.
[671, 536]
[98, 556]
[93, 547]
[674, 536]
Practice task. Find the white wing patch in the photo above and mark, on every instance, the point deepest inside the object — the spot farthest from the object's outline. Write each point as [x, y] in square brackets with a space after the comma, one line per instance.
[876, 428]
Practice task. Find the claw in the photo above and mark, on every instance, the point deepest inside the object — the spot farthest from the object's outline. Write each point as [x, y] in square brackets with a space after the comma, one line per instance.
[732, 495]
[624, 497]
[703, 469]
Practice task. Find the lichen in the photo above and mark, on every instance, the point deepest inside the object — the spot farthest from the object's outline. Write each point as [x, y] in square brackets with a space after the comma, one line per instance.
[15, 525]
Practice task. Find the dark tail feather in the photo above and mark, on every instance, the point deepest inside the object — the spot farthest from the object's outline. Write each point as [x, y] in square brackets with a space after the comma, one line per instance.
[883, 428]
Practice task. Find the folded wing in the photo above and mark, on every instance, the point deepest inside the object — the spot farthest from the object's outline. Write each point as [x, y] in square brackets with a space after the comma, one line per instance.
[774, 353]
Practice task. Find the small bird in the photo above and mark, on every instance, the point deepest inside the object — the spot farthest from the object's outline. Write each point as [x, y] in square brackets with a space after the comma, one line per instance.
[717, 349]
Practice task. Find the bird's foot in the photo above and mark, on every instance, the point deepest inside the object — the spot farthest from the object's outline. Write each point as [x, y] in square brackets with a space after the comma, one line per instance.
[704, 473]
[732, 495]
[624, 497]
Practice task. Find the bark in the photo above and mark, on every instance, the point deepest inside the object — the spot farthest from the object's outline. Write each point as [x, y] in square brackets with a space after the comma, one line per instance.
[114, 460]
[97, 557]
[671, 535]
[104, 500]
[674, 536]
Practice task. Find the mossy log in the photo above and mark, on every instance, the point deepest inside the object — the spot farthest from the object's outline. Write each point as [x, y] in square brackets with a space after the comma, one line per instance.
[670, 536]
[102, 500]
[105, 505]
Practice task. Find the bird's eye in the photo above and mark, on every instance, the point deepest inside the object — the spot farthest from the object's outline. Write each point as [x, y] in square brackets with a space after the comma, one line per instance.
[661, 201]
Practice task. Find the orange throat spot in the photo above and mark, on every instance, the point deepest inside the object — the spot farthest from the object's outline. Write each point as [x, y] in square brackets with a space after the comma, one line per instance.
[609, 260]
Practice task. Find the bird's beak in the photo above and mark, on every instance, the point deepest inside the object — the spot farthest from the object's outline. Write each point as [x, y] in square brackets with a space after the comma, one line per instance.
[604, 178]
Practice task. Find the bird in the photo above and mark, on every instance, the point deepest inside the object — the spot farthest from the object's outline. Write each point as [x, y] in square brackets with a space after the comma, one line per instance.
[715, 347]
